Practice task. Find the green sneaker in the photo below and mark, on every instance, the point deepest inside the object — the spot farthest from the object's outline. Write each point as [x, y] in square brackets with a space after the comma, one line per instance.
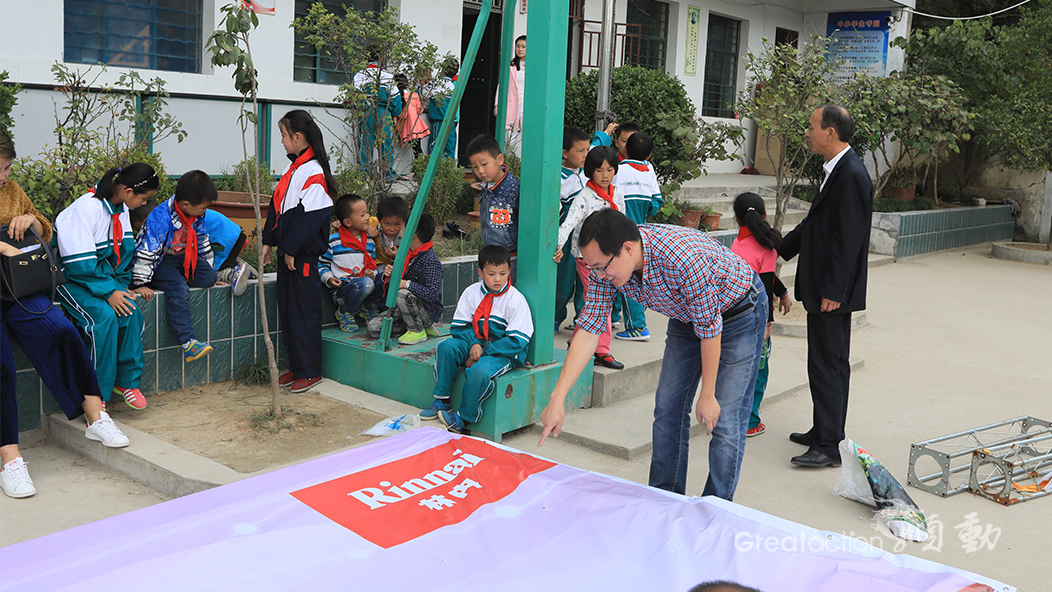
[411, 337]
[347, 321]
[431, 332]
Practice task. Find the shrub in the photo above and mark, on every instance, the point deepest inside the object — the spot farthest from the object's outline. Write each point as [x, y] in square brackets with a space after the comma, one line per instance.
[7, 102]
[640, 96]
[233, 179]
[444, 199]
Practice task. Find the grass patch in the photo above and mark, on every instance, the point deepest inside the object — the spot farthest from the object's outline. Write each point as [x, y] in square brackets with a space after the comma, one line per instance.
[265, 421]
[253, 373]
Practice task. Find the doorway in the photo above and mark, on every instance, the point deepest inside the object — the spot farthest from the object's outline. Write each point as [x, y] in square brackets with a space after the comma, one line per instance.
[476, 109]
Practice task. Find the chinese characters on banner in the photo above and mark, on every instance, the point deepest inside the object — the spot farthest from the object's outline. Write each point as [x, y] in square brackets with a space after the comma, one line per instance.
[860, 39]
[408, 498]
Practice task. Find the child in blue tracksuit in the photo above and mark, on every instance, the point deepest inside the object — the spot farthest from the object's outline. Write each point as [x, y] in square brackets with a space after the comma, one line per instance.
[173, 254]
[297, 231]
[639, 184]
[491, 331]
[96, 246]
[438, 105]
[499, 197]
[348, 267]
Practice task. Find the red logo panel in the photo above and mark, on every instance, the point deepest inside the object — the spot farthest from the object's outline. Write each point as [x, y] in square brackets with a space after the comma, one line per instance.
[405, 499]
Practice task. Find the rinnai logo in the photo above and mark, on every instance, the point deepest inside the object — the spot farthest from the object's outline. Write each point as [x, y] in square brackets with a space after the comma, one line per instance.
[405, 499]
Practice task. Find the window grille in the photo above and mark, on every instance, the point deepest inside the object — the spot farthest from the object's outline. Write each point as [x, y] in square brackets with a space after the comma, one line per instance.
[652, 18]
[721, 67]
[151, 34]
[310, 65]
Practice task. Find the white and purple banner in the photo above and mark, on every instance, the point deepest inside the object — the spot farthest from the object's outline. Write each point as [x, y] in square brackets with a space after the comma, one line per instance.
[428, 510]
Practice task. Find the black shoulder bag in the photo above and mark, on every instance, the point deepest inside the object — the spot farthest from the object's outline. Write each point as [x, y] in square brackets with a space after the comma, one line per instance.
[31, 272]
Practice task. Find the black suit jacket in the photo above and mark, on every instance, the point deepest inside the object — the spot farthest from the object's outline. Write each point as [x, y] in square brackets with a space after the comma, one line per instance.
[833, 240]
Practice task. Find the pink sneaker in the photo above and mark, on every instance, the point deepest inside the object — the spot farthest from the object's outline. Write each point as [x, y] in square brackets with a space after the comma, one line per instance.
[132, 396]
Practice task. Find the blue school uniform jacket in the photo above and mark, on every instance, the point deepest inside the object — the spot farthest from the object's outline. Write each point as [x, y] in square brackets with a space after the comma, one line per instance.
[223, 234]
[155, 241]
[301, 228]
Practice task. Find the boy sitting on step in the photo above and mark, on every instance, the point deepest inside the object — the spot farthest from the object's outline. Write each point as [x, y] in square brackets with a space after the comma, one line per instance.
[348, 267]
[491, 331]
[419, 291]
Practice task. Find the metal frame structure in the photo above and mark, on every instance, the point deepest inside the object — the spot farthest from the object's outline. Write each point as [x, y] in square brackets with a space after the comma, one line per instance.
[1002, 454]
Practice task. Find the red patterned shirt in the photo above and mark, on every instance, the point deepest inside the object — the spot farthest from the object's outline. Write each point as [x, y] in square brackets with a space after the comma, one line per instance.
[686, 276]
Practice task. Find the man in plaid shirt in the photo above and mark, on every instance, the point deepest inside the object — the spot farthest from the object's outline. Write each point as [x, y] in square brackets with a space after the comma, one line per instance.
[717, 309]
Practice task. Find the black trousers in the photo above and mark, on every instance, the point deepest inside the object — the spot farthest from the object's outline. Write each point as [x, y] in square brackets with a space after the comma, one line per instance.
[829, 371]
[299, 309]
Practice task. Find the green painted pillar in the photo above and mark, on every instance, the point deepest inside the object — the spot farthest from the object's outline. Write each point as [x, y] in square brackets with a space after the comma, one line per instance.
[542, 139]
[507, 51]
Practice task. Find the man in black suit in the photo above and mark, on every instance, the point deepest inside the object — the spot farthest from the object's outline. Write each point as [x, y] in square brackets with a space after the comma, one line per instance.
[833, 244]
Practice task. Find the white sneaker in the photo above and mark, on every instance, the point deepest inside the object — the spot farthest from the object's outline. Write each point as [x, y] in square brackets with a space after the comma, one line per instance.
[106, 431]
[15, 481]
[239, 279]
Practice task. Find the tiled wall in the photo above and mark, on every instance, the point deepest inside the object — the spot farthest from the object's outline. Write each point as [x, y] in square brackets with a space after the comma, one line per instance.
[917, 233]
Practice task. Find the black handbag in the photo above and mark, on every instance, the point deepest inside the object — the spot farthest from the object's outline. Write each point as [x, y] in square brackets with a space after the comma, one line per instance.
[29, 273]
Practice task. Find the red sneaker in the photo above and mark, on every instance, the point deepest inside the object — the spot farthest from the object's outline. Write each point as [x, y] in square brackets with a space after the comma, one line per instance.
[756, 431]
[286, 379]
[304, 384]
[132, 396]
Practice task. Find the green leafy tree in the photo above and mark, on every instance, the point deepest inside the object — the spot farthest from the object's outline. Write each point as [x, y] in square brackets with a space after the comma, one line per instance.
[695, 142]
[97, 128]
[230, 46]
[8, 100]
[353, 41]
[791, 83]
[644, 97]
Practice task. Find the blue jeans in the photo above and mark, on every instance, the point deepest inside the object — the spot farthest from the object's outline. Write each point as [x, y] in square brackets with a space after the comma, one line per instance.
[741, 341]
[353, 292]
[169, 278]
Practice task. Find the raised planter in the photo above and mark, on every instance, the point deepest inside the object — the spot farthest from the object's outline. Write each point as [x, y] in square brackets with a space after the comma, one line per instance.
[237, 205]
[909, 234]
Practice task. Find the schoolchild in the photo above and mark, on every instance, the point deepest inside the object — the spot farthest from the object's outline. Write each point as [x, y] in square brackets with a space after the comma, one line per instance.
[173, 254]
[383, 105]
[227, 239]
[348, 267]
[391, 213]
[639, 184]
[296, 232]
[491, 331]
[419, 290]
[567, 285]
[600, 166]
[756, 244]
[97, 248]
[438, 107]
[621, 136]
[499, 194]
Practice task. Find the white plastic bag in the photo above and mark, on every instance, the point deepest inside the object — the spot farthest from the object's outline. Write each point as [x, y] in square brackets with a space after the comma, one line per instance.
[865, 480]
[394, 425]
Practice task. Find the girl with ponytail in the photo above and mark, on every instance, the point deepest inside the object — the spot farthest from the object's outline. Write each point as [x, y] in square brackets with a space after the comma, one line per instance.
[96, 246]
[297, 228]
[756, 244]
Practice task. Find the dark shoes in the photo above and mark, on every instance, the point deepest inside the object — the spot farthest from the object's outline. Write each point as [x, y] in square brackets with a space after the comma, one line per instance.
[802, 438]
[608, 361]
[814, 458]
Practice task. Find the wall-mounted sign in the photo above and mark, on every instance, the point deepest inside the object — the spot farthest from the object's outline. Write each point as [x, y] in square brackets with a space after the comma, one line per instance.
[522, 6]
[860, 39]
[690, 68]
[260, 6]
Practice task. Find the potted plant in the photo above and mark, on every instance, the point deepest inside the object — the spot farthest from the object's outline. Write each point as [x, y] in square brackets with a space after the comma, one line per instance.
[711, 218]
[902, 183]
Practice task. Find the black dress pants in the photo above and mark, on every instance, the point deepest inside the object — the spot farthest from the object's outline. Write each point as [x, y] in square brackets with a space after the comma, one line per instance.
[829, 372]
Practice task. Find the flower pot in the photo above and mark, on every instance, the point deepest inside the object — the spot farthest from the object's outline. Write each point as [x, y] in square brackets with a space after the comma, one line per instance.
[237, 205]
[476, 225]
[903, 193]
[690, 218]
[711, 221]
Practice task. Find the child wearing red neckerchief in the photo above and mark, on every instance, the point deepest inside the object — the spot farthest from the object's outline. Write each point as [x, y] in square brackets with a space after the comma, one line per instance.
[491, 331]
[348, 267]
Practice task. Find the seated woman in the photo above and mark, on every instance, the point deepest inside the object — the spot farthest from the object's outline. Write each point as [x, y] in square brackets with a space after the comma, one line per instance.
[49, 340]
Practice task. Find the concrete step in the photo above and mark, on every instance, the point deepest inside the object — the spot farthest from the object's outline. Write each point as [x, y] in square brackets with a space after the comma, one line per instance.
[624, 430]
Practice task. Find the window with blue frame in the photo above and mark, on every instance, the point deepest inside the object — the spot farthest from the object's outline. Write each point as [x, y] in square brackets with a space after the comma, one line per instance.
[721, 67]
[310, 65]
[151, 34]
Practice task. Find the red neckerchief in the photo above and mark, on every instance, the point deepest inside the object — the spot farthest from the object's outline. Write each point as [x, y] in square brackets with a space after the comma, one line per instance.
[357, 243]
[620, 158]
[607, 194]
[743, 232]
[413, 253]
[483, 311]
[118, 231]
[189, 261]
[454, 78]
[639, 167]
[283, 184]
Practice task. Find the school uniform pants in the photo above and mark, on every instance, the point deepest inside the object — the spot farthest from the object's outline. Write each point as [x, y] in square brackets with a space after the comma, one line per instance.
[479, 379]
[633, 312]
[114, 341]
[55, 349]
[761, 383]
[604, 339]
[169, 278]
[450, 149]
[567, 285]
[299, 309]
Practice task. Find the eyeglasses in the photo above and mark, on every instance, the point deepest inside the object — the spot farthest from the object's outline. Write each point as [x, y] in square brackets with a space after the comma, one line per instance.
[603, 268]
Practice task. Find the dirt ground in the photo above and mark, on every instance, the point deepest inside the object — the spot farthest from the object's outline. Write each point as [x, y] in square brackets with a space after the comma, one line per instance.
[230, 424]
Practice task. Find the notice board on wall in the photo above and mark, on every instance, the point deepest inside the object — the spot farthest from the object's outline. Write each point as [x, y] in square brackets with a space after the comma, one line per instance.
[860, 39]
